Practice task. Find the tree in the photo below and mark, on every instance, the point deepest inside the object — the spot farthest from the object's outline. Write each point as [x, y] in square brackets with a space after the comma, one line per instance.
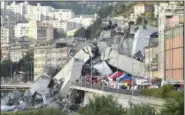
[59, 33]
[149, 16]
[104, 105]
[140, 109]
[105, 11]
[26, 63]
[91, 32]
[81, 33]
[174, 105]
[6, 68]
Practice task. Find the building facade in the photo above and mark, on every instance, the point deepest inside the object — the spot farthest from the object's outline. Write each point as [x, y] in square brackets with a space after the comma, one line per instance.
[34, 30]
[50, 56]
[5, 36]
[5, 52]
[18, 51]
[21, 29]
[174, 54]
[164, 15]
[151, 61]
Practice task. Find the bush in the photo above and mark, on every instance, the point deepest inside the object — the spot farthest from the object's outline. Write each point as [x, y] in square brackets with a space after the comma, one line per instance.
[102, 105]
[141, 109]
[163, 92]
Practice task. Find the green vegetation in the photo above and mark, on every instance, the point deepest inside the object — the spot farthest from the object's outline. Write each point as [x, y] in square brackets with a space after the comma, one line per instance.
[174, 105]
[102, 106]
[123, 9]
[25, 64]
[108, 106]
[6, 67]
[46, 111]
[91, 32]
[105, 11]
[166, 91]
[78, 7]
[141, 109]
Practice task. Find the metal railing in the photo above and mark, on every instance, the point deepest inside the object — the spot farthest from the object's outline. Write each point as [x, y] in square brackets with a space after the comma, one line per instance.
[105, 88]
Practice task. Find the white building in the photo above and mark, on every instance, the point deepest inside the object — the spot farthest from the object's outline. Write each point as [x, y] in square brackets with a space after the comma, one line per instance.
[63, 14]
[39, 12]
[58, 24]
[21, 29]
[34, 30]
[5, 36]
[84, 20]
[17, 11]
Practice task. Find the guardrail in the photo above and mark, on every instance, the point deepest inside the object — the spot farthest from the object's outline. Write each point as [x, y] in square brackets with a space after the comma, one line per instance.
[106, 89]
[5, 87]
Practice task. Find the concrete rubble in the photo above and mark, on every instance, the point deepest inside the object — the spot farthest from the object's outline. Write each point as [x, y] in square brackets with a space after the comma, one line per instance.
[115, 47]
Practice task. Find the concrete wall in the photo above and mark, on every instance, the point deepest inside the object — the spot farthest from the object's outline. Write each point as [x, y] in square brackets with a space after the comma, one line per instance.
[122, 98]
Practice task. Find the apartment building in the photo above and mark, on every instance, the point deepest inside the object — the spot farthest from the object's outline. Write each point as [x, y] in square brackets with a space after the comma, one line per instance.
[174, 54]
[17, 11]
[18, 51]
[21, 29]
[58, 24]
[84, 20]
[5, 52]
[63, 14]
[5, 36]
[34, 30]
[48, 55]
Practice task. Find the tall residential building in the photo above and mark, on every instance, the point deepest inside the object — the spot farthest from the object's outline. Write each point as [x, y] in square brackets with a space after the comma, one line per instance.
[83, 21]
[21, 29]
[17, 11]
[58, 24]
[17, 51]
[174, 54]
[163, 18]
[63, 14]
[48, 56]
[5, 52]
[5, 36]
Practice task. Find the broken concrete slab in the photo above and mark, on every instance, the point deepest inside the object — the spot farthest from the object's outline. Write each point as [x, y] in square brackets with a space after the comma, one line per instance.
[24, 105]
[5, 100]
[83, 55]
[123, 62]
[103, 68]
[105, 35]
[54, 105]
[15, 94]
[73, 73]
[141, 38]
[41, 86]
